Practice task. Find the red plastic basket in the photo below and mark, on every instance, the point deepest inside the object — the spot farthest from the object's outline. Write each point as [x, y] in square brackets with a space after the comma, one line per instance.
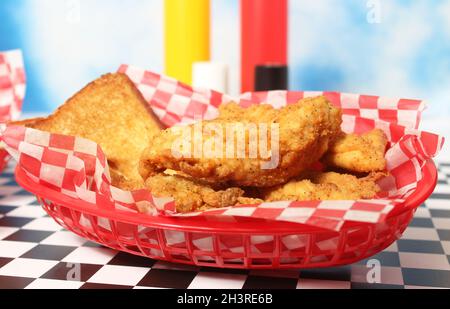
[204, 243]
[4, 158]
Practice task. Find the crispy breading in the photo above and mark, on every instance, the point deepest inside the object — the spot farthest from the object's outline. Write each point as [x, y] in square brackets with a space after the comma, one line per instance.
[305, 131]
[316, 186]
[111, 112]
[249, 201]
[255, 113]
[195, 195]
[119, 180]
[359, 153]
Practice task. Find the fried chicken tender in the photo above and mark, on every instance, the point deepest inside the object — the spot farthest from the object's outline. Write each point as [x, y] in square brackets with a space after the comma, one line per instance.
[359, 153]
[255, 113]
[305, 131]
[123, 182]
[111, 112]
[317, 186]
[195, 195]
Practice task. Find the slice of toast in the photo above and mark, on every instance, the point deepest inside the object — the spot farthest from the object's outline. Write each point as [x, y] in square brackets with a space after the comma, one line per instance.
[25, 122]
[111, 112]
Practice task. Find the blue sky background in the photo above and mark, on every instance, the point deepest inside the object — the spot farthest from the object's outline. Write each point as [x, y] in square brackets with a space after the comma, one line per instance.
[68, 43]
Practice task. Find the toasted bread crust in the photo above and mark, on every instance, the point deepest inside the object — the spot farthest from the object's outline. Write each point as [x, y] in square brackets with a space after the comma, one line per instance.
[111, 112]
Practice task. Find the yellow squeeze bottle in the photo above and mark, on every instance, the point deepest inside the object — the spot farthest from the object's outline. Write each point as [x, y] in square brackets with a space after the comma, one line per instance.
[187, 36]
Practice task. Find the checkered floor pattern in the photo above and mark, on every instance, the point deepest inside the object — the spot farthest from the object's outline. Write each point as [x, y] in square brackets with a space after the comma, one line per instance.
[35, 252]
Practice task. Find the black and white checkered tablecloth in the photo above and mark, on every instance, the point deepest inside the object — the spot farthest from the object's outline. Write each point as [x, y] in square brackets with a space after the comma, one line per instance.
[35, 252]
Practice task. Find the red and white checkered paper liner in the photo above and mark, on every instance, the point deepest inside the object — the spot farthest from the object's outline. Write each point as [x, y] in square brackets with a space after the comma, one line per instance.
[12, 91]
[12, 85]
[78, 167]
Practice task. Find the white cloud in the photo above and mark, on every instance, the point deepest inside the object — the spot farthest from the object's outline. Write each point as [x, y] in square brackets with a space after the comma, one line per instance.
[404, 33]
[109, 33]
[377, 58]
[413, 30]
[444, 10]
[317, 28]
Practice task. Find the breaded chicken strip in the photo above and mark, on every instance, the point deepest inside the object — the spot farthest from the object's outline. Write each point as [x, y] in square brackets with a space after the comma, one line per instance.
[123, 182]
[359, 153]
[325, 186]
[255, 113]
[194, 195]
[305, 132]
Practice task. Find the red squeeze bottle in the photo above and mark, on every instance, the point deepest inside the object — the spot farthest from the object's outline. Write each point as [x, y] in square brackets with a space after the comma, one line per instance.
[264, 36]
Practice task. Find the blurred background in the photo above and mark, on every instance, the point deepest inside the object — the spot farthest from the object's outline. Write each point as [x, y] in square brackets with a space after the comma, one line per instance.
[402, 49]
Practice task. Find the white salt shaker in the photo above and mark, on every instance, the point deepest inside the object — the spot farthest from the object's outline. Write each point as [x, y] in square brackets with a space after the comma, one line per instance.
[211, 75]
